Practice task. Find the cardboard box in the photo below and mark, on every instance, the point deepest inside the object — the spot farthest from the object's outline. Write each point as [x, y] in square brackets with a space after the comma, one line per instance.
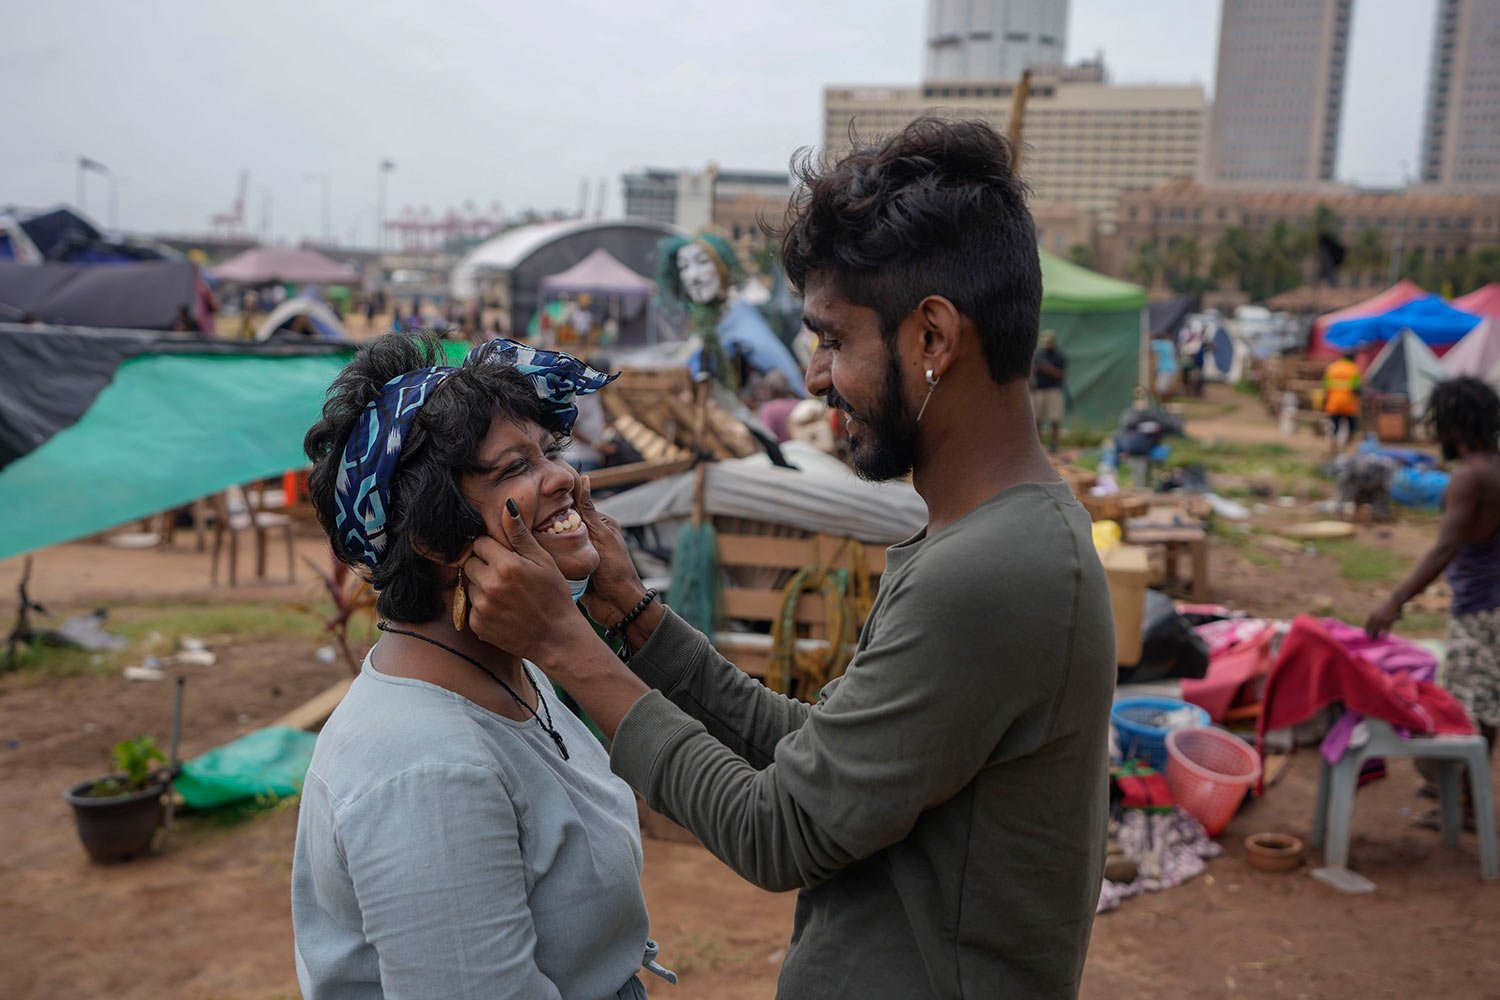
[1128, 570]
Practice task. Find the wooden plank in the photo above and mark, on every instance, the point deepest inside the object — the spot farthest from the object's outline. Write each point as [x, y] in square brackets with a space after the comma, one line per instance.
[636, 472]
[790, 553]
[315, 711]
[765, 605]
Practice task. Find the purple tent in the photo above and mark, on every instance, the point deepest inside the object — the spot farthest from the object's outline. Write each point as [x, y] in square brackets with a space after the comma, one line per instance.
[599, 274]
[284, 265]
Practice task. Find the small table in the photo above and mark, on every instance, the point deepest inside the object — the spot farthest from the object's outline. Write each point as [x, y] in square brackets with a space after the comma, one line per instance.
[1176, 541]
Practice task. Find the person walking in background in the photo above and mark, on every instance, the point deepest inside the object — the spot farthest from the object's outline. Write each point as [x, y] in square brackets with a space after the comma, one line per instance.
[1164, 358]
[1049, 372]
[1341, 388]
[1465, 414]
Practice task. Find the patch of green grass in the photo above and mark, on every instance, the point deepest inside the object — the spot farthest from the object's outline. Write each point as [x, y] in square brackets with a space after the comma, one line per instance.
[1361, 563]
[155, 630]
[1269, 460]
[1083, 437]
[1245, 387]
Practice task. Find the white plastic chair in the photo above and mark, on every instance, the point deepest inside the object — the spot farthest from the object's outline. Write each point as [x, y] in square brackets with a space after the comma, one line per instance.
[1337, 784]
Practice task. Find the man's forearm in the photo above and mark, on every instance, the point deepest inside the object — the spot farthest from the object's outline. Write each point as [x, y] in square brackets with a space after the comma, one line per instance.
[603, 686]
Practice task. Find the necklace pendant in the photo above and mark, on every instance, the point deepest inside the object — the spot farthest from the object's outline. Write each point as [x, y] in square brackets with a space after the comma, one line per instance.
[557, 738]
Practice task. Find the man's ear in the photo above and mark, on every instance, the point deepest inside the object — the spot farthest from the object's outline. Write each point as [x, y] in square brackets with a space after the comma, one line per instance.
[940, 326]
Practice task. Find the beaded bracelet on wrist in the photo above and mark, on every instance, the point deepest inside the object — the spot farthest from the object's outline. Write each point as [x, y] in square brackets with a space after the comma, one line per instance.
[617, 630]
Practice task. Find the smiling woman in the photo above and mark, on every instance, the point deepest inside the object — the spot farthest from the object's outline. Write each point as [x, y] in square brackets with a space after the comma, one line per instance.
[455, 812]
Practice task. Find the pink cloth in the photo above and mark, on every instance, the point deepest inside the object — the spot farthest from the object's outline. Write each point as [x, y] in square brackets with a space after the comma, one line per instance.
[1239, 653]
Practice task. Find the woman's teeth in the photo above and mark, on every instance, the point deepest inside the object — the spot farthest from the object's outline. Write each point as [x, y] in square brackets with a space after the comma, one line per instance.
[563, 525]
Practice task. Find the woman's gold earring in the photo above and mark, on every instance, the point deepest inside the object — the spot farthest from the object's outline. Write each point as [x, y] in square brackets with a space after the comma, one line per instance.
[460, 603]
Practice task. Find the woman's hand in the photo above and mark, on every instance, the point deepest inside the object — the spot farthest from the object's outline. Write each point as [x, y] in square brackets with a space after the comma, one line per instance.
[615, 586]
[519, 601]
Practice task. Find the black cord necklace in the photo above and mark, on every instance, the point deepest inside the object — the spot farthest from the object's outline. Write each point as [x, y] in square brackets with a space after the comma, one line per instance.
[544, 720]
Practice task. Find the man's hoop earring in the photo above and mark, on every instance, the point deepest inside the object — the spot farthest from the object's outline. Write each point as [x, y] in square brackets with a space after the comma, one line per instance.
[932, 382]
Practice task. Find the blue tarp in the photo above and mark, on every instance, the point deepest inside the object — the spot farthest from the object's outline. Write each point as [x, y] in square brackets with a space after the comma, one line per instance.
[743, 330]
[1435, 322]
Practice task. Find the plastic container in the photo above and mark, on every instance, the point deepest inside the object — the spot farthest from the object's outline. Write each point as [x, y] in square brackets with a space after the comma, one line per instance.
[1139, 739]
[1209, 772]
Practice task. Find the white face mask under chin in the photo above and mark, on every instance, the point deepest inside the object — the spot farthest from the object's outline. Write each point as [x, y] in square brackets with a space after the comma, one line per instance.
[577, 587]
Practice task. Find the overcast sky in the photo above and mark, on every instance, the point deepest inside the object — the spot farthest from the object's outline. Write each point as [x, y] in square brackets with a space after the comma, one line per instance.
[520, 102]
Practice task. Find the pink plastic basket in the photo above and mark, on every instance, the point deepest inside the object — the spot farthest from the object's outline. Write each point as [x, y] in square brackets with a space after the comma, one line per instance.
[1209, 772]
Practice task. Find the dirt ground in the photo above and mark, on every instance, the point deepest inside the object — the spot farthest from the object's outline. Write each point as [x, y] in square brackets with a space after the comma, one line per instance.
[209, 917]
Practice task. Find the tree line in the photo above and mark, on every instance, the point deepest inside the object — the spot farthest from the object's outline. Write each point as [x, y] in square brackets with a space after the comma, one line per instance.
[1285, 256]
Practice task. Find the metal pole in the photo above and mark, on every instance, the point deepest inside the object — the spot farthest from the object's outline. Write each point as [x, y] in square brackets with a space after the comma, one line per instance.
[327, 209]
[172, 760]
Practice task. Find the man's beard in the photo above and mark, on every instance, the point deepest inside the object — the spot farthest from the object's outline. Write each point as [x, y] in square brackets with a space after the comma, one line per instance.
[887, 447]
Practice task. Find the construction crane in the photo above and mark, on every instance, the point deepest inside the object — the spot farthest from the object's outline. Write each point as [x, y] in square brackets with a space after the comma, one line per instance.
[233, 221]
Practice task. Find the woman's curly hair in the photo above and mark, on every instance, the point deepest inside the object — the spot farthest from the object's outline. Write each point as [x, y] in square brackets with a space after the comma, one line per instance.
[428, 512]
[1468, 410]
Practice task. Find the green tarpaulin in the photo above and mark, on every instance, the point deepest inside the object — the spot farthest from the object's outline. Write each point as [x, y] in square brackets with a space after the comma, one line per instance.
[168, 430]
[1098, 324]
[268, 763]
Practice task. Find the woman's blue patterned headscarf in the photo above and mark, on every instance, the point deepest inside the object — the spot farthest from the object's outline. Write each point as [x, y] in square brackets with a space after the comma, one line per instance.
[363, 491]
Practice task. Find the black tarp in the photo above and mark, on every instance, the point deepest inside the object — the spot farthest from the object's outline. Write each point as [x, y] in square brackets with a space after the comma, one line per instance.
[50, 375]
[1166, 318]
[139, 295]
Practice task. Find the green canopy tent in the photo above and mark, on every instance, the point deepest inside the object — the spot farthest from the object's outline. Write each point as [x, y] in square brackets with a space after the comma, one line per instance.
[1098, 324]
[167, 429]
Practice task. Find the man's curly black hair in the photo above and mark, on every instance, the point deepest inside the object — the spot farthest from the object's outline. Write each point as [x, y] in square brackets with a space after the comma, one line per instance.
[936, 209]
[427, 511]
[1467, 410]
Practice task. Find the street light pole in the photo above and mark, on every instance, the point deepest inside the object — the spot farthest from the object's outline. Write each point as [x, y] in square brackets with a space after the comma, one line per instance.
[327, 200]
[386, 166]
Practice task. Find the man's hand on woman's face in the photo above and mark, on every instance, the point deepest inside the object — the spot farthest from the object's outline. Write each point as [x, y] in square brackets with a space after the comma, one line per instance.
[615, 586]
[518, 598]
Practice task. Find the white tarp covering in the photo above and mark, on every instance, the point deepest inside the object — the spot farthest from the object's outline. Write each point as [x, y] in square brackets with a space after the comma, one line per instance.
[824, 496]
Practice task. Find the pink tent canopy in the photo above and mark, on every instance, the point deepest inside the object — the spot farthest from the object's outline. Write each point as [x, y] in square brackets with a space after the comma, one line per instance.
[600, 273]
[294, 265]
[1397, 295]
[1484, 302]
[1478, 354]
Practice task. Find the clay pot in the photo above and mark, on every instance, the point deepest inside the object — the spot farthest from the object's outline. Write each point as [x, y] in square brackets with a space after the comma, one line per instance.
[117, 827]
[1273, 852]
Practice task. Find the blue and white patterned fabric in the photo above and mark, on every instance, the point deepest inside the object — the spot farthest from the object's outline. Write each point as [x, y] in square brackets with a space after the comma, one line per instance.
[363, 490]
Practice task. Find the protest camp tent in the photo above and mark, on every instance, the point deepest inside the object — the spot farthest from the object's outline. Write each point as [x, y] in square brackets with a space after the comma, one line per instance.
[1398, 294]
[1478, 354]
[1098, 324]
[136, 295]
[321, 322]
[1406, 366]
[1435, 322]
[1483, 302]
[101, 427]
[284, 265]
[600, 274]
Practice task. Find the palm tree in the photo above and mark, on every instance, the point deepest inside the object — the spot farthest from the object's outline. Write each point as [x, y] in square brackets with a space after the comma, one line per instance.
[1081, 254]
[1283, 251]
[1230, 259]
[1183, 257]
[1369, 253]
[1145, 264]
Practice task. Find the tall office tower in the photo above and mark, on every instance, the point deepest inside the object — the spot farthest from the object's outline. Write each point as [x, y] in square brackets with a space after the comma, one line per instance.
[1280, 90]
[1461, 140]
[994, 39]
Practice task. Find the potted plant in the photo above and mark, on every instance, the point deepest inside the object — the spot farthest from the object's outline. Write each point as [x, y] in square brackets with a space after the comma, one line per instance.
[118, 815]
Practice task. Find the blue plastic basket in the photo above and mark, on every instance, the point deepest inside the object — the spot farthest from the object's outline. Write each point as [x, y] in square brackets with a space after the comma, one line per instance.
[1139, 740]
